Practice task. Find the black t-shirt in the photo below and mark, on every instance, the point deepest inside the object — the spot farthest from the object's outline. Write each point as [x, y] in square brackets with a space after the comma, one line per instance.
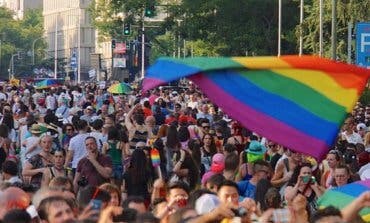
[140, 188]
[2, 157]
[274, 160]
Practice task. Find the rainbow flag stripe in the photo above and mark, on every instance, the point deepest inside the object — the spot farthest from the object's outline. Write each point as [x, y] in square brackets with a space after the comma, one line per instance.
[342, 196]
[299, 102]
[154, 155]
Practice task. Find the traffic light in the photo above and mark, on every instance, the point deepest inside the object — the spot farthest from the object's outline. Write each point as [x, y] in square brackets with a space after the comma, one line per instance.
[150, 10]
[113, 43]
[126, 29]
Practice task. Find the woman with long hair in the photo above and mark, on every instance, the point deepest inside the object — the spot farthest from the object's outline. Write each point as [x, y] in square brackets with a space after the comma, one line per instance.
[172, 145]
[207, 151]
[117, 151]
[333, 158]
[302, 182]
[137, 176]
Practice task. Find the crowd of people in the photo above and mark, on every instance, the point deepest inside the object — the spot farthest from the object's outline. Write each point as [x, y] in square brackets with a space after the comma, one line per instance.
[80, 154]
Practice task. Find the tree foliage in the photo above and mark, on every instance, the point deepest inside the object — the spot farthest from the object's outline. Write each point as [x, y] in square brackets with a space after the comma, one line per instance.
[18, 36]
[347, 11]
[248, 27]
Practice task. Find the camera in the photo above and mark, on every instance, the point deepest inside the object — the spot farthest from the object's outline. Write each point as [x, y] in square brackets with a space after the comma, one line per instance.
[240, 212]
[308, 179]
[82, 182]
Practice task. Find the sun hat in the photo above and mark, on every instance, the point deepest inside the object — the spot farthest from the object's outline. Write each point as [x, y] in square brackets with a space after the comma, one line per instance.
[256, 148]
[35, 129]
[255, 151]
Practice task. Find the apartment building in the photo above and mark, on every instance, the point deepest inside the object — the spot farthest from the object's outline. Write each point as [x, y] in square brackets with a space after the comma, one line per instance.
[20, 6]
[68, 31]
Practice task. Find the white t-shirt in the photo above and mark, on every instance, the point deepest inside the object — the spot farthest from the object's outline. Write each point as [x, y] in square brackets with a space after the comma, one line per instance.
[51, 102]
[77, 145]
[193, 104]
[30, 141]
[353, 138]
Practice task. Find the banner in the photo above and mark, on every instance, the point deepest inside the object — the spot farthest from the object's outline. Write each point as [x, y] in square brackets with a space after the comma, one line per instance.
[120, 48]
[119, 62]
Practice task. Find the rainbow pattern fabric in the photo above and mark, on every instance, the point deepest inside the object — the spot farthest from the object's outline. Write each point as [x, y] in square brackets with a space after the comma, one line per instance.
[342, 196]
[298, 102]
[154, 155]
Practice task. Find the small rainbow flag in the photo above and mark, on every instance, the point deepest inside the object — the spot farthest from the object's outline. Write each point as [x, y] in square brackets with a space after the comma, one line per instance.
[154, 155]
[342, 196]
[298, 102]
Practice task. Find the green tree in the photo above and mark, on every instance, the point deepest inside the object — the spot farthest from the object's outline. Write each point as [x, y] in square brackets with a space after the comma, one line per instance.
[347, 11]
[18, 36]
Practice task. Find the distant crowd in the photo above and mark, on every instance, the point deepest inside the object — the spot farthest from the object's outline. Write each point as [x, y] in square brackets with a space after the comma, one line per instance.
[81, 154]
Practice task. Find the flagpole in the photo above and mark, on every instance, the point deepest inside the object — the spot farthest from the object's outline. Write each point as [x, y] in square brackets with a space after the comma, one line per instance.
[321, 29]
[301, 29]
[334, 29]
[279, 29]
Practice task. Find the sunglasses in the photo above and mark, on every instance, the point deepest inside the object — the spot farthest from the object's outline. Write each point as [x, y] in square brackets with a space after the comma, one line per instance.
[206, 126]
[69, 129]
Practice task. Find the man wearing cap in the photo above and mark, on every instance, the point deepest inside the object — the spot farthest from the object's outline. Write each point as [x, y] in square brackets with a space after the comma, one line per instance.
[32, 143]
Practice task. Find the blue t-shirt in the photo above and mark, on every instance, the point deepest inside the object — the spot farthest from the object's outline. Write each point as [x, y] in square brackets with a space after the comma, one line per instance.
[246, 189]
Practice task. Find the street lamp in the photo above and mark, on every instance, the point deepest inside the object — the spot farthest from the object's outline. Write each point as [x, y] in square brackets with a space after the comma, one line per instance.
[334, 29]
[321, 29]
[301, 29]
[33, 49]
[279, 28]
[56, 48]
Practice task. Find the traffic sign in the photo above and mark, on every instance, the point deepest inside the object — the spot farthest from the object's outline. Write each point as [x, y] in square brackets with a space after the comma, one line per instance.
[74, 59]
[363, 44]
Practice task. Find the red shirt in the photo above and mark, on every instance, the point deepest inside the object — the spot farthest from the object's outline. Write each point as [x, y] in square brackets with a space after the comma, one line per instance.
[87, 169]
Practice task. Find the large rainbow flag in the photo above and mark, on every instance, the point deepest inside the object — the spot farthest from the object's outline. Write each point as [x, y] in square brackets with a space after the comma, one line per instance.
[299, 102]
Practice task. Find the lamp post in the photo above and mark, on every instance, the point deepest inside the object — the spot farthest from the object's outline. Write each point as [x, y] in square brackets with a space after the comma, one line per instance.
[279, 29]
[301, 29]
[321, 29]
[143, 46]
[11, 69]
[56, 48]
[79, 47]
[33, 49]
[334, 29]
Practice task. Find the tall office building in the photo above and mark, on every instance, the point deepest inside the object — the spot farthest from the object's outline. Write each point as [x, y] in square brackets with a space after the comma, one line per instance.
[20, 6]
[68, 32]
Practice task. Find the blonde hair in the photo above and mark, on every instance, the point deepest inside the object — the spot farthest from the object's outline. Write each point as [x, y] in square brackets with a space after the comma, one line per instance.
[367, 140]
